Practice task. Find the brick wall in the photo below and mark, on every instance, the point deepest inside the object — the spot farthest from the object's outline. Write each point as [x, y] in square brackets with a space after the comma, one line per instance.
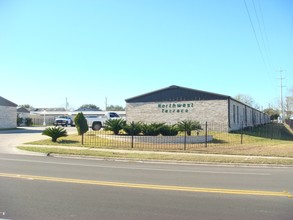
[214, 111]
[7, 117]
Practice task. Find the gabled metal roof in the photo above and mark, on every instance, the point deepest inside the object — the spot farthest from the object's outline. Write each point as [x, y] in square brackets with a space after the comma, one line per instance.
[5, 102]
[176, 93]
[22, 110]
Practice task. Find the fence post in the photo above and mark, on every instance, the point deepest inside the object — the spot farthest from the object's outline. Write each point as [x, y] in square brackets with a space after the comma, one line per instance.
[132, 131]
[241, 134]
[206, 134]
[185, 133]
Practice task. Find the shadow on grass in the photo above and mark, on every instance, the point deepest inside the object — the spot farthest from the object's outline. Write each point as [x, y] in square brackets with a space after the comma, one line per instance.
[27, 130]
[275, 131]
[218, 141]
[68, 142]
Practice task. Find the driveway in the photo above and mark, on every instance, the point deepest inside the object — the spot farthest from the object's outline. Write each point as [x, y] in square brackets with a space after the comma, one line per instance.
[10, 139]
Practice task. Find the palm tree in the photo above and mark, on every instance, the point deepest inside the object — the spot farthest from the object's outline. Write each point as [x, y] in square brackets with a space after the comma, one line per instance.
[55, 133]
[115, 125]
[134, 128]
[188, 126]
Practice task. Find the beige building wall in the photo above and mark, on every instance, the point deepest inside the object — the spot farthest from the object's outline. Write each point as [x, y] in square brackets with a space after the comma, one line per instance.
[213, 112]
[8, 117]
[237, 115]
[242, 116]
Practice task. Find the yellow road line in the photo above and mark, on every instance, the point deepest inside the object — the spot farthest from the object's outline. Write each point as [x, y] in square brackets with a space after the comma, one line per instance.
[149, 186]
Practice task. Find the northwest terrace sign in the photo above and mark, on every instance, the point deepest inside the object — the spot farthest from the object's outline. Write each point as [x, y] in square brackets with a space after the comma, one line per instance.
[175, 107]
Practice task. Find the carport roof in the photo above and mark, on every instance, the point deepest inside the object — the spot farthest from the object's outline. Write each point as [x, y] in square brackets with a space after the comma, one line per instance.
[177, 93]
[5, 102]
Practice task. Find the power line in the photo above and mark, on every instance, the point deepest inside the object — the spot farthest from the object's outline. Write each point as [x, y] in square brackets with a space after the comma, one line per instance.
[281, 93]
[262, 33]
[255, 35]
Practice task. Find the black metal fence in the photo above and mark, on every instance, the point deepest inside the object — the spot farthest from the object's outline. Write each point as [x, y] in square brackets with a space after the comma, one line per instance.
[290, 123]
[207, 137]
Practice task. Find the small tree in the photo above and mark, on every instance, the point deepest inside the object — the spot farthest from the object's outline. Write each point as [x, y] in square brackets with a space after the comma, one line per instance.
[55, 133]
[273, 113]
[81, 125]
[90, 106]
[115, 108]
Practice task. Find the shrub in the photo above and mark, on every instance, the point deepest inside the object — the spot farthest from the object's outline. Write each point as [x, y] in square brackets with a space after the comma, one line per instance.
[152, 129]
[134, 128]
[81, 123]
[28, 121]
[115, 125]
[169, 130]
[188, 126]
[19, 121]
[55, 133]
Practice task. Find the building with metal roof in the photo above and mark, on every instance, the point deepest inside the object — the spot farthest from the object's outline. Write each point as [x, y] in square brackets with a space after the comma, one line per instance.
[174, 103]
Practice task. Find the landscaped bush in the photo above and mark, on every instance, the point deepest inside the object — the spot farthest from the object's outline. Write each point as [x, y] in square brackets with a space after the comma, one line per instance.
[19, 121]
[81, 124]
[134, 128]
[169, 130]
[115, 125]
[28, 121]
[152, 129]
[188, 126]
[55, 133]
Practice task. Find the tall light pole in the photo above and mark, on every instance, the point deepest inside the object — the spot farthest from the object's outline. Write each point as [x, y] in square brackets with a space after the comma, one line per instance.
[66, 104]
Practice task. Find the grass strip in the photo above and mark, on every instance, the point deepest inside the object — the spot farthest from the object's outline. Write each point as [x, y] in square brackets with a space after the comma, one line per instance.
[161, 157]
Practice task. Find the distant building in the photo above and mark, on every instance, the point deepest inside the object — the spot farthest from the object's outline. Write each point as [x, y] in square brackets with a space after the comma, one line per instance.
[174, 104]
[8, 115]
[48, 115]
[23, 112]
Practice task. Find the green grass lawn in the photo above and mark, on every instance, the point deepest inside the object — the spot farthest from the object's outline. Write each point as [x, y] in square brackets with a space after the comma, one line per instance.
[161, 156]
[255, 142]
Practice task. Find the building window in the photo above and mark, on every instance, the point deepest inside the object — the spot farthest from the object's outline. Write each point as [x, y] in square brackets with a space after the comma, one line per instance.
[237, 114]
[244, 117]
[234, 116]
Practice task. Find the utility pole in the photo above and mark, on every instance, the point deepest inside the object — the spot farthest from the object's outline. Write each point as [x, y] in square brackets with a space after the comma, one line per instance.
[106, 104]
[282, 103]
[66, 104]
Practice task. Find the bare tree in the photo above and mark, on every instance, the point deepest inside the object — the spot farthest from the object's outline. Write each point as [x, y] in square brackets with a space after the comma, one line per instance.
[289, 104]
[247, 99]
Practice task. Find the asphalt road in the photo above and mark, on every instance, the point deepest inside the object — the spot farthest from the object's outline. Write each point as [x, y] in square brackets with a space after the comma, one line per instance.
[35, 187]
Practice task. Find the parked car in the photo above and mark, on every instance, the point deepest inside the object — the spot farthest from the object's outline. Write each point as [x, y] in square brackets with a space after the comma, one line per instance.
[96, 123]
[64, 120]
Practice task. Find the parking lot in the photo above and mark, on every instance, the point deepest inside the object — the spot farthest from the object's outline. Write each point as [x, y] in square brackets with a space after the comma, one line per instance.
[10, 139]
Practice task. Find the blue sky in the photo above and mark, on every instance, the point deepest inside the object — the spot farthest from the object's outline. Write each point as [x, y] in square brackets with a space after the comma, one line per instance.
[89, 50]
